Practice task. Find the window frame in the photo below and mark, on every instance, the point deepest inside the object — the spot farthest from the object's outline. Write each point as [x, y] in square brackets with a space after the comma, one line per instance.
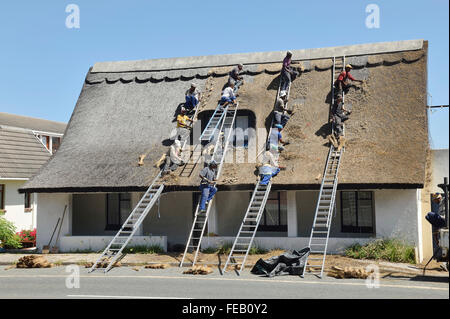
[358, 229]
[272, 228]
[2, 196]
[27, 202]
[114, 226]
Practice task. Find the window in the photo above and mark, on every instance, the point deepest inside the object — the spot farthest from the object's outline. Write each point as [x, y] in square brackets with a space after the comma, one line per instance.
[356, 212]
[27, 202]
[241, 132]
[118, 207]
[2, 196]
[56, 141]
[274, 217]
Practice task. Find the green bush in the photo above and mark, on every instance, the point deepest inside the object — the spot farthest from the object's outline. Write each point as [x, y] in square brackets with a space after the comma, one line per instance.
[153, 249]
[393, 250]
[8, 236]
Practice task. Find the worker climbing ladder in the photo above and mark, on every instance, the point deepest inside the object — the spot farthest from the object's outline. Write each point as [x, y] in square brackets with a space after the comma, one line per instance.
[222, 140]
[113, 251]
[320, 231]
[249, 226]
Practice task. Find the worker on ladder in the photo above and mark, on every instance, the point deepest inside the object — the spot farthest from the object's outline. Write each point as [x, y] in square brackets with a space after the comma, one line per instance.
[228, 96]
[280, 111]
[183, 128]
[276, 139]
[343, 82]
[268, 168]
[207, 188]
[193, 96]
[173, 160]
[234, 75]
[288, 73]
[339, 115]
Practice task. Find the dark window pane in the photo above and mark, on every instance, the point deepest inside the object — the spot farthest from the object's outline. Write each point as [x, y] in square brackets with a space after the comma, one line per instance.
[349, 209]
[2, 196]
[283, 208]
[271, 212]
[55, 143]
[113, 209]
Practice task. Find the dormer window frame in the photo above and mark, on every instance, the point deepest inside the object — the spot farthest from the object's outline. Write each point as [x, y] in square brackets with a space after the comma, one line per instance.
[48, 144]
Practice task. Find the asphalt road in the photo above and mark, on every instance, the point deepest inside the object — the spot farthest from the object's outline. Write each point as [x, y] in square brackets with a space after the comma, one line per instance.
[170, 283]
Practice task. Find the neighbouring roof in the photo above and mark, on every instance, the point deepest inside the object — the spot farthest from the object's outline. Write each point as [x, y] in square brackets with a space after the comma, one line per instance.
[127, 108]
[21, 153]
[32, 123]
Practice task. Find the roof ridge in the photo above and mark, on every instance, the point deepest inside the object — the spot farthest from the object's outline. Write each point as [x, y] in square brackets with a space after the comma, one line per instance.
[178, 63]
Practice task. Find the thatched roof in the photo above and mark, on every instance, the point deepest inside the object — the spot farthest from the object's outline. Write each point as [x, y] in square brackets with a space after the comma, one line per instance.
[127, 108]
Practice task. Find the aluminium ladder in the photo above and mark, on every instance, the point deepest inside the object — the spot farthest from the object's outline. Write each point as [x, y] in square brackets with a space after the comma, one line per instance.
[201, 219]
[207, 134]
[216, 119]
[249, 226]
[114, 250]
[246, 234]
[320, 231]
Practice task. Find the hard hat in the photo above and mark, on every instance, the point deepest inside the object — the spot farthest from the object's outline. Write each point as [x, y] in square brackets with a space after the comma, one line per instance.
[240, 65]
[348, 66]
[182, 110]
[193, 85]
[177, 143]
[283, 93]
[289, 52]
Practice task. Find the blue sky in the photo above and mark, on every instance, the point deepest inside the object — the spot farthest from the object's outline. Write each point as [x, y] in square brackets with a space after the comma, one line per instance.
[43, 63]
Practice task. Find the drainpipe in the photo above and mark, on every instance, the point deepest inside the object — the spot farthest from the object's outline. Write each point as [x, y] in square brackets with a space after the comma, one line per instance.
[445, 189]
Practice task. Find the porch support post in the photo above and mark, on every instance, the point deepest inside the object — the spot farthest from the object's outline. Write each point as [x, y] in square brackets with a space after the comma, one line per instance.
[213, 220]
[135, 197]
[292, 214]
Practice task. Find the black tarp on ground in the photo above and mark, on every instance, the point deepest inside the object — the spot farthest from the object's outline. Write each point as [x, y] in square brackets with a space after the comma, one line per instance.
[289, 263]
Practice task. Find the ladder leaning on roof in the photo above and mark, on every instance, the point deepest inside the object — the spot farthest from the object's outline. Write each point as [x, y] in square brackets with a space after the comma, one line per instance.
[244, 239]
[247, 231]
[320, 231]
[220, 149]
[208, 133]
[113, 251]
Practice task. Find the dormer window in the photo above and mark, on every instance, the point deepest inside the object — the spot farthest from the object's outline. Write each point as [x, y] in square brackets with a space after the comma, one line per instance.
[49, 140]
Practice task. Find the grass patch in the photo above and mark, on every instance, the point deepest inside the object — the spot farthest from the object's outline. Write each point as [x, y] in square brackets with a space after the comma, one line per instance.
[153, 249]
[257, 251]
[210, 250]
[392, 250]
[226, 248]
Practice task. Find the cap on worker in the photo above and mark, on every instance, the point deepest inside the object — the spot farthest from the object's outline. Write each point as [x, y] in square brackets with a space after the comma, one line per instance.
[278, 126]
[348, 66]
[213, 163]
[436, 196]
